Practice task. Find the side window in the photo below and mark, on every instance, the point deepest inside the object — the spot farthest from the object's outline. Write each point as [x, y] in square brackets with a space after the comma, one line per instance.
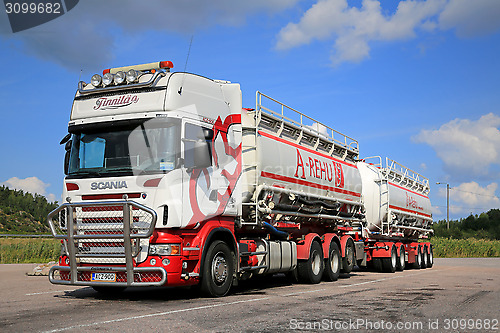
[197, 146]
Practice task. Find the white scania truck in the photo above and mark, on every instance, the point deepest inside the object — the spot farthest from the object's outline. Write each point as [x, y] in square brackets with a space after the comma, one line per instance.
[170, 182]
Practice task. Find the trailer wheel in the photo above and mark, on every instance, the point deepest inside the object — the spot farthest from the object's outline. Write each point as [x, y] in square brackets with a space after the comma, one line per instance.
[349, 260]
[389, 264]
[423, 264]
[430, 258]
[311, 270]
[418, 259]
[218, 270]
[332, 264]
[108, 290]
[401, 259]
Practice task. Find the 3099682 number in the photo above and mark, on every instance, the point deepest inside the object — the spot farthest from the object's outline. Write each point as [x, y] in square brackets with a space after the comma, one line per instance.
[471, 324]
[32, 8]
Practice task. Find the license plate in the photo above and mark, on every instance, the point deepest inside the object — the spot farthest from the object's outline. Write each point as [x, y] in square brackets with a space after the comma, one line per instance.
[104, 277]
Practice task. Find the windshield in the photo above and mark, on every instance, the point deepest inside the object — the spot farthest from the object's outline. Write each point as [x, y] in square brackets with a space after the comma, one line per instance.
[151, 146]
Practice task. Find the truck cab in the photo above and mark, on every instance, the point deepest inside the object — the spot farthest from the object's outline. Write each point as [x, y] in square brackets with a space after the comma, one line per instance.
[159, 148]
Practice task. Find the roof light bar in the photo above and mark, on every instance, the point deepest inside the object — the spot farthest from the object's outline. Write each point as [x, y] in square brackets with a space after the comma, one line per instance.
[126, 75]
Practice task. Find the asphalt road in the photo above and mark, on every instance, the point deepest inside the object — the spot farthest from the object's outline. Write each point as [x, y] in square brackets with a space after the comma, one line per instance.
[456, 295]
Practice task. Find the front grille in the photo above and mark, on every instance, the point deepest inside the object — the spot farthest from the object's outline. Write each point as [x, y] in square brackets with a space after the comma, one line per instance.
[104, 233]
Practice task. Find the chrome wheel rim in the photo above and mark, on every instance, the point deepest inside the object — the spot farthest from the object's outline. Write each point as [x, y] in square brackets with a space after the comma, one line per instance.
[219, 268]
[316, 263]
[334, 262]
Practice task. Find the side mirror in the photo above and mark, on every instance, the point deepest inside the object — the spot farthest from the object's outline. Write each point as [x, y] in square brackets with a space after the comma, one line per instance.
[66, 163]
[67, 147]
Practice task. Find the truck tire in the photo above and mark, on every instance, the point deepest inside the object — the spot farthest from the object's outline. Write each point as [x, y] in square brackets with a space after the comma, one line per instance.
[423, 264]
[430, 258]
[311, 270]
[377, 264]
[349, 260]
[218, 270]
[332, 264]
[418, 259]
[401, 259]
[389, 264]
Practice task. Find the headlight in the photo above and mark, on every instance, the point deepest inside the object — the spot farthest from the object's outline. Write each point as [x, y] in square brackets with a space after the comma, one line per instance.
[96, 80]
[120, 77]
[164, 249]
[132, 75]
[107, 79]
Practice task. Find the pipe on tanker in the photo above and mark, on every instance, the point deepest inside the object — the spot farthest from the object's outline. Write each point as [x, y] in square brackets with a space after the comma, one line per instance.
[413, 228]
[296, 208]
[304, 201]
[274, 231]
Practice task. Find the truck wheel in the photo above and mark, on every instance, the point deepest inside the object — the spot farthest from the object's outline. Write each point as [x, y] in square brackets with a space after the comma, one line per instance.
[349, 260]
[311, 270]
[108, 290]
[423, 264]
[418, 259]
[218, 270]
[401, 259]
[377, 264]
[389, 264]
[332, 264]
[430, 257]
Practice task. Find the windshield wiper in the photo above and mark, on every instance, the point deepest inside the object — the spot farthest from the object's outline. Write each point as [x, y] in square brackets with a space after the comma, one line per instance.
[86, 172]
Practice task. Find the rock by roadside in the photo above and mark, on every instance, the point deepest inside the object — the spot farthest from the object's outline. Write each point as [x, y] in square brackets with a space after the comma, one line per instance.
[41, 270]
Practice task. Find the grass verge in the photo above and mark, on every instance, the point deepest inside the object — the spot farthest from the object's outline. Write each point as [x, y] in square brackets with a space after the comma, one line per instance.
[465, 248]
[29, 250]
[41, 250]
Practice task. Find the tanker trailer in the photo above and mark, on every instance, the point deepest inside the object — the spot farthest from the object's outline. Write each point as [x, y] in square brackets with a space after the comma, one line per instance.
[398, 214]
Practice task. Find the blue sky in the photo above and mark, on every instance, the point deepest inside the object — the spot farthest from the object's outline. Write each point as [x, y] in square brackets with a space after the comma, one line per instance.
[417, 81]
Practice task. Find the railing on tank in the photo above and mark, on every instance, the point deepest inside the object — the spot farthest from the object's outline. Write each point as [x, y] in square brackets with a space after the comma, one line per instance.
[295, 119]
[101, 234]
[401, 174]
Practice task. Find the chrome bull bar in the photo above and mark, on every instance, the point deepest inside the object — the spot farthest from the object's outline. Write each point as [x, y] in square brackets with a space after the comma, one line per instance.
[106, 231]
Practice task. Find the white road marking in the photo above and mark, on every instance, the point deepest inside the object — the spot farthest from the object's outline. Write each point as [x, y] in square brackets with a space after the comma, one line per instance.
[48, 292]
[156, 314]
[360, 283]
[225, 304]
[303, 292]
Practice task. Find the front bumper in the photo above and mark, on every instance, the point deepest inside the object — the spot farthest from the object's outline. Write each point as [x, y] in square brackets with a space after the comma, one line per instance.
[141, 276]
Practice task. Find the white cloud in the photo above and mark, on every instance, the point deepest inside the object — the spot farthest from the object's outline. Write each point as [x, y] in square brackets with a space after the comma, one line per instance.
[352, 29]
[473, 195]
[30, 184]
[86, 36]
[436, 210]
[471, 18]
[320, 128]
[466, 147]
